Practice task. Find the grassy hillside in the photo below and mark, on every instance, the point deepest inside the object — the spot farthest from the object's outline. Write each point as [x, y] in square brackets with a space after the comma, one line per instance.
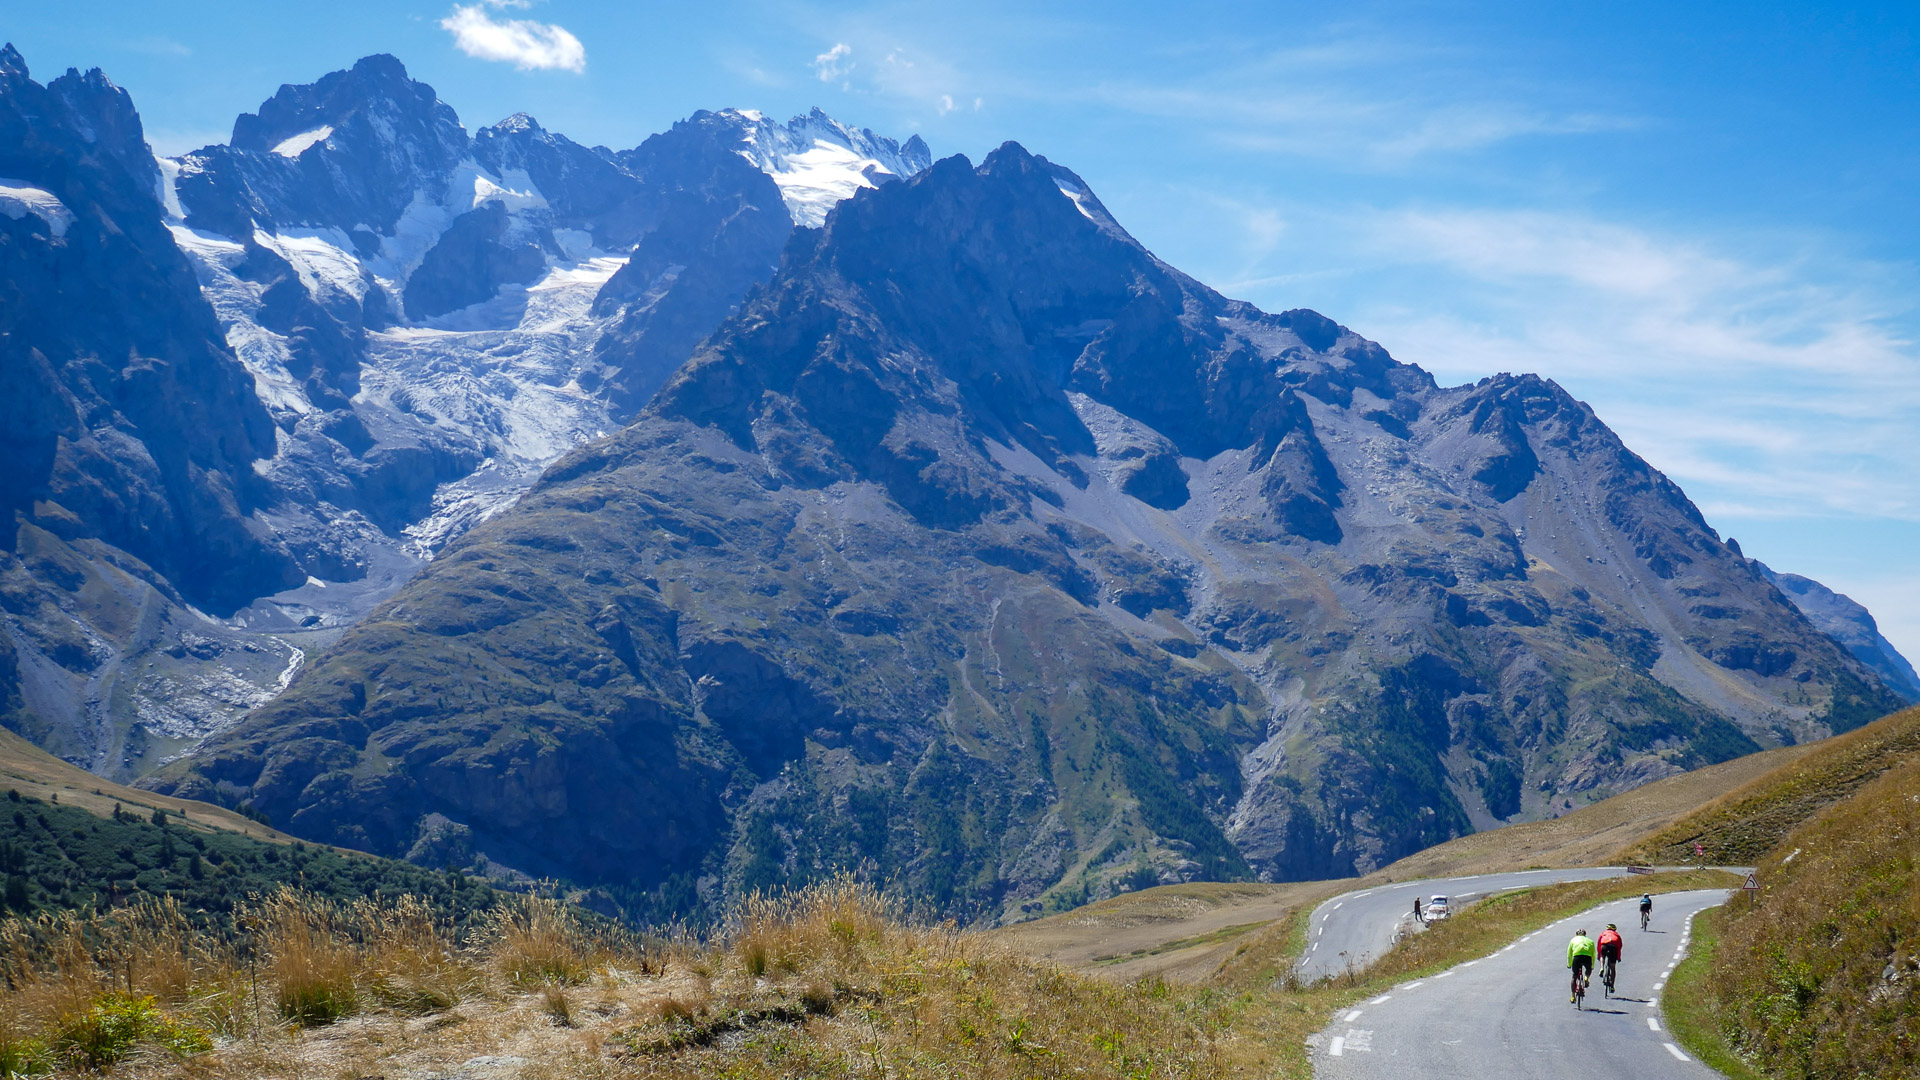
[827, 984]
[1820, 975]
[57, 857]
[32, 771]
[1743, 824]
[1595, 835]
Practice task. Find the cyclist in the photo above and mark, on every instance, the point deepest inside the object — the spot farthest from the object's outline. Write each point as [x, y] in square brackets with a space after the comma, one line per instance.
[1608, 944]
[1580, 958]
[1646, 909]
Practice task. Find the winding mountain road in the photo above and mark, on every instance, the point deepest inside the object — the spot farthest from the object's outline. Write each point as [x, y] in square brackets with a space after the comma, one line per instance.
[1507, 1015]
[1358, 928]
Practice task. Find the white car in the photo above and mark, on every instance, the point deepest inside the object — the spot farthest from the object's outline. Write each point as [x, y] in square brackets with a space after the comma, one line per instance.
[1437, 909]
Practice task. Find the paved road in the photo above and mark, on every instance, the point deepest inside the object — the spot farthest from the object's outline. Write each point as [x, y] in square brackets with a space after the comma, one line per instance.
[1358, 927]
[1507, 1015]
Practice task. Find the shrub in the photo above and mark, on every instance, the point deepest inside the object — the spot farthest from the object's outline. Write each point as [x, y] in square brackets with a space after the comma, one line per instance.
[117, 1023]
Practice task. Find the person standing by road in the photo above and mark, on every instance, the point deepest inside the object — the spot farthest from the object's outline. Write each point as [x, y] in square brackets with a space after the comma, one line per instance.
[1417, 916]
[1580, 953]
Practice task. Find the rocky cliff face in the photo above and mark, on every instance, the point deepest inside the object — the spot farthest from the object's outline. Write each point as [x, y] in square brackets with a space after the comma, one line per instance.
[985, 547]
[1844, 620]
[130, 435]
[268, 379]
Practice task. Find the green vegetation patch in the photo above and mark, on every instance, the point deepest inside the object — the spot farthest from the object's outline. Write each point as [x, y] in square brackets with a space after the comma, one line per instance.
[1820, 974]
[1693, 1014]
[1742, 825]
[57, 858]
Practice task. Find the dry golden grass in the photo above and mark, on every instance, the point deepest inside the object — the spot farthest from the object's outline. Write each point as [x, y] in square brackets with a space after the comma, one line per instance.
[827, 982]
[1741, 825]
[1819, 976]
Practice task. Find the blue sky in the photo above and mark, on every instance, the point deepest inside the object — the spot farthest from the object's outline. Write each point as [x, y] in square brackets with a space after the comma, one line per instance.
[1700, 218]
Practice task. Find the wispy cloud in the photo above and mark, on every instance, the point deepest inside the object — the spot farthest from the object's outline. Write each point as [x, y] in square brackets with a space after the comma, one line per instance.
[835, 65]
[524, 43]
[1778, 386]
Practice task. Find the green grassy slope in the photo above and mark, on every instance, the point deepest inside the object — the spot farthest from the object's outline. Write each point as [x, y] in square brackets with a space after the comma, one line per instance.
[62, 857]
[1820, 975]
[1746, 822]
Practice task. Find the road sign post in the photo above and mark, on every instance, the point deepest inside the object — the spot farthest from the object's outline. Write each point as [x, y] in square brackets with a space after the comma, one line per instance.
[1752, 887]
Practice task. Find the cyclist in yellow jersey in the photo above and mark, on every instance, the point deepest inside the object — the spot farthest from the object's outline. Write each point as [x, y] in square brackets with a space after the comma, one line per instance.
[1580, 956]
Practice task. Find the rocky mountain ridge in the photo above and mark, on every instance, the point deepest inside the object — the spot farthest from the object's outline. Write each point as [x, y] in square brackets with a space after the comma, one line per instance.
[411, 323]
[984, 548]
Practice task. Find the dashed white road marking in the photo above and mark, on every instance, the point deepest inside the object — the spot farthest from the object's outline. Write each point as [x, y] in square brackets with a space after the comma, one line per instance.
[1316, 947]
[1469, 963]
[1415, 985]
[1653, 1023]
[1337, 1047]
[1354, 1015]
[1661, 985]
[1335, 907]
[1443, 974]
[1379, 1000]
[1675, 1051]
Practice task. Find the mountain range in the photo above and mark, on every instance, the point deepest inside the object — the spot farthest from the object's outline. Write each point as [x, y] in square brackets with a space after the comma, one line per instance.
[771, 499]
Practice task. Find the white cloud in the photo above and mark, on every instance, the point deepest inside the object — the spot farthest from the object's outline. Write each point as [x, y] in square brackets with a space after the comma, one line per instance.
[1767, 387]
[946, 104]
[835, 64]
[526, 44]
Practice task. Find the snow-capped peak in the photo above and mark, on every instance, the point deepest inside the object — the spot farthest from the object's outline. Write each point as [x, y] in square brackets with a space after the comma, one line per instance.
[818, 161]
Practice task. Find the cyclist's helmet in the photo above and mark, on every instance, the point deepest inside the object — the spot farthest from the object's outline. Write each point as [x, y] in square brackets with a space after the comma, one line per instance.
[1611, 926]
[1646, 898]
[1582, 932]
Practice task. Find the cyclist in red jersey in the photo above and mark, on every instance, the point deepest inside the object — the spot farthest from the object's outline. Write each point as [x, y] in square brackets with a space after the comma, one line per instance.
[1609, 947]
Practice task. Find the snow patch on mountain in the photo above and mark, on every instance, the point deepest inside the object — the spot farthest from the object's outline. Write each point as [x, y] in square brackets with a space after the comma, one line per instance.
[322, 258]
[295, 145]
[19, 198]
[818, 161]
[168, 189]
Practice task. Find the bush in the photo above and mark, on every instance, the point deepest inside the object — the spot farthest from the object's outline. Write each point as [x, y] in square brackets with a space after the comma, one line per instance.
[117, 1023]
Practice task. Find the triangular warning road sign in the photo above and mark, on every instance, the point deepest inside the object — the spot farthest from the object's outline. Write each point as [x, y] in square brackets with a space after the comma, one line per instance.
[1753, 883]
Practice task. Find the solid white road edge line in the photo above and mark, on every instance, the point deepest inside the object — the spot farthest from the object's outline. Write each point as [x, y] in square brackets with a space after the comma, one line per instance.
[1675, 1051]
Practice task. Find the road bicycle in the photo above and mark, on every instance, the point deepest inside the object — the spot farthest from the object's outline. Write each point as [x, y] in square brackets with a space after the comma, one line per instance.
[1646, 916]
[1579, 990]
[1606, 977]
